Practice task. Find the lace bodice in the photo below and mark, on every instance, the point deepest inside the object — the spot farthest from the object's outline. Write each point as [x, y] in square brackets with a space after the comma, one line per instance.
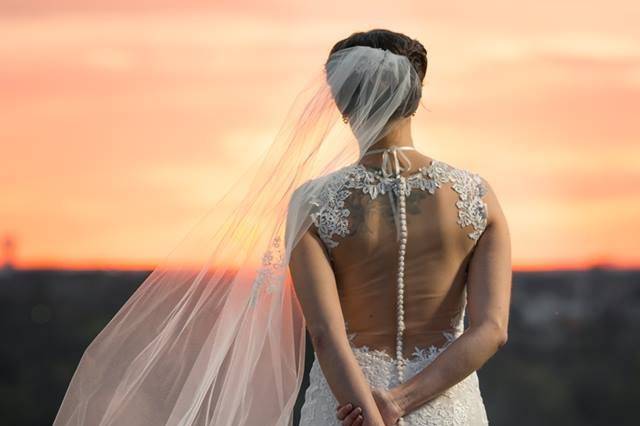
[331, 213]
[420, 238]
[352, 209]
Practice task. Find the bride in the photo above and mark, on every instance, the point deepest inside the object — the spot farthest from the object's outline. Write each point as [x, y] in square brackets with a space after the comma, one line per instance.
[343, 228]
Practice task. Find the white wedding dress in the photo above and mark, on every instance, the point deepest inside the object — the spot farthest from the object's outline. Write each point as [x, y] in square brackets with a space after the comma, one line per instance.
[443, 214]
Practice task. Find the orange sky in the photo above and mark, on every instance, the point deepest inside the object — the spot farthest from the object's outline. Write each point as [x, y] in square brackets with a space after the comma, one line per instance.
[120, 124]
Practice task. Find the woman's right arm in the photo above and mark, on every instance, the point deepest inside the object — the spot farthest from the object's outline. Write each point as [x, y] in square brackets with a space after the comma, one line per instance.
[489, 294]
[316, 289]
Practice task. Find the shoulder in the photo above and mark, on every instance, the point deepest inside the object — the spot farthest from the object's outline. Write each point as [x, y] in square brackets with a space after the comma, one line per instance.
[480, 188]
[314, 196]
[477, 194]
[313, 190]
[462, 179]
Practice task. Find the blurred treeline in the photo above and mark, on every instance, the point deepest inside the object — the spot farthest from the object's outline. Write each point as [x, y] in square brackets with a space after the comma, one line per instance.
[573, 356]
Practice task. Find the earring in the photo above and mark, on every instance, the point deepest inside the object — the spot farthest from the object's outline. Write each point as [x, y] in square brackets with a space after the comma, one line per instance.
[345, 119]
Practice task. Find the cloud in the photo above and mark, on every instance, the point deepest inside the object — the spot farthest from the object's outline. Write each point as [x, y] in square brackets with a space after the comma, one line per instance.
[145, 104]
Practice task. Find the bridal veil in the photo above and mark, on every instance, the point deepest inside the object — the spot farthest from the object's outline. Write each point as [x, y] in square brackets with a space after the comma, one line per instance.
[215, 334]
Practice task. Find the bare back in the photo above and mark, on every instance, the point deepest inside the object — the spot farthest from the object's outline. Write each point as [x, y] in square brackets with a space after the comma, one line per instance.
[356, 220]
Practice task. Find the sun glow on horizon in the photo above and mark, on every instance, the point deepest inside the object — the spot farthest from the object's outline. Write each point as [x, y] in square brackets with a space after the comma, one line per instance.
[123, 123]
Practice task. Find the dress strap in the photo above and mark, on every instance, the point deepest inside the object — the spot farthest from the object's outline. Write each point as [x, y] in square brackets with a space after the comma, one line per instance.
[386, 161]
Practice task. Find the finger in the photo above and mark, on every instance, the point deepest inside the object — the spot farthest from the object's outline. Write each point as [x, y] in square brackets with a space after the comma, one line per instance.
[353, 415]
[358, 421]
[344, 410]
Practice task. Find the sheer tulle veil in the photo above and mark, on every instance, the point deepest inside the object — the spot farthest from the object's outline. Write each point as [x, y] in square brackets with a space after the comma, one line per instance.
[215, 334]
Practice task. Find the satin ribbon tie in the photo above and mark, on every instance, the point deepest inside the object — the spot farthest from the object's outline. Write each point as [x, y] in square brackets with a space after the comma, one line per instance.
[391, 170]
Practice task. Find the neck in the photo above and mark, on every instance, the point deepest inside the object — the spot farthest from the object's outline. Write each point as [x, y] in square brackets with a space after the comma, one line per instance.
[399, 135]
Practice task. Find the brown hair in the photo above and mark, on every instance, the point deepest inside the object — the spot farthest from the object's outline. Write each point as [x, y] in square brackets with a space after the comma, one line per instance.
[397, 43]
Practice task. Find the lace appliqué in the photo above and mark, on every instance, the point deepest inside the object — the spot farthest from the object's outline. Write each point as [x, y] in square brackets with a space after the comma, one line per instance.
[424, 354]
[472, 210]
[271, 273]
[331, 216]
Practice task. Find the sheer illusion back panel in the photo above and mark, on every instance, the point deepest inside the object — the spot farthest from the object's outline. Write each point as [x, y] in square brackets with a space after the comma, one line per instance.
[357, 225]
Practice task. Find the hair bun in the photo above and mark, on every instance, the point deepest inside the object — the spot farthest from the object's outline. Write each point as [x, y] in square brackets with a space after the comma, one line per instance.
[417, 55]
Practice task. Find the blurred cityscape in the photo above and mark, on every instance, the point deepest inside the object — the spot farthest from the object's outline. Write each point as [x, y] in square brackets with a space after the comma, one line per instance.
[7, 256]
[572, 356]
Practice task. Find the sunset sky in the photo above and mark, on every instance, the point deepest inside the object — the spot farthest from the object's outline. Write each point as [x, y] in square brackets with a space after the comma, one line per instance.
[121, 122]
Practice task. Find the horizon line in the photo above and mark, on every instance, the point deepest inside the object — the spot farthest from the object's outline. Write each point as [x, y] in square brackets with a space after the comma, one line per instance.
[129, 267]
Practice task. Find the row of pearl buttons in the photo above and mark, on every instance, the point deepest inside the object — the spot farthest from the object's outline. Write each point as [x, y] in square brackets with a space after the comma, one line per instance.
[400, 300]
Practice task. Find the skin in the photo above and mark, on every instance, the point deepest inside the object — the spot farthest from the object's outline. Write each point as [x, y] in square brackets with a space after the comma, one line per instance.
[317, 292]
[489, 291]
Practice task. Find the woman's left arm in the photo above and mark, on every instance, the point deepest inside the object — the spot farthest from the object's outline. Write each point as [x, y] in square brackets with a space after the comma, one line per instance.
[489, 294]
[316, 289]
